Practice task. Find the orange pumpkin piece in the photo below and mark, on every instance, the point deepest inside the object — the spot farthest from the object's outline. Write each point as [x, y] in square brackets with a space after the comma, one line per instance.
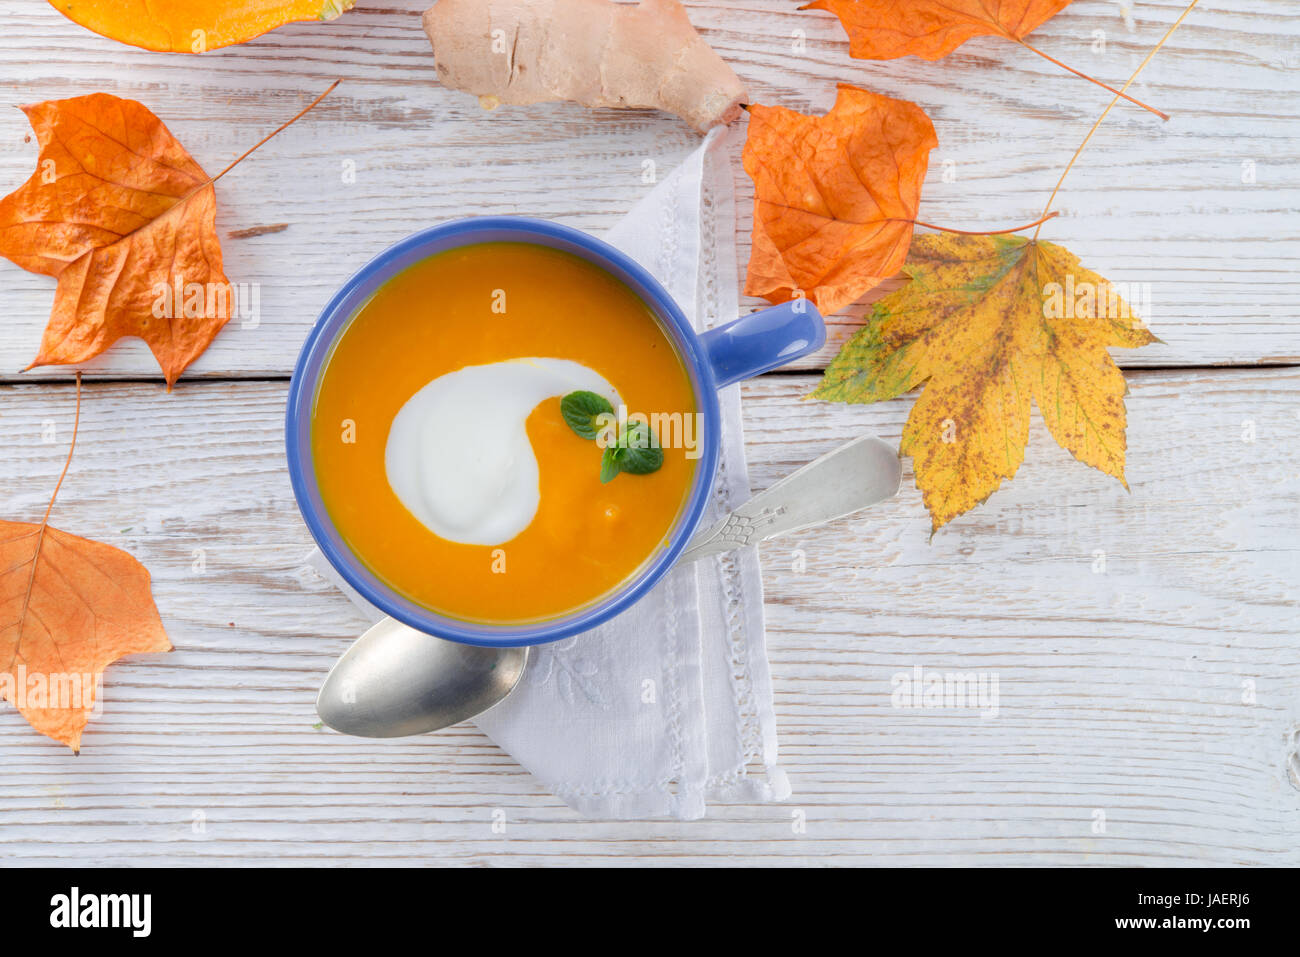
[193, 26]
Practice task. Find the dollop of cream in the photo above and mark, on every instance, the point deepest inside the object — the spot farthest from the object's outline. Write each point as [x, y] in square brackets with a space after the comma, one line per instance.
[458, 455]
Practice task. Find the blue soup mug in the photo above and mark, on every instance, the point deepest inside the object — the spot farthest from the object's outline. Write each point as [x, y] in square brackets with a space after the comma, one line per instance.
[753, 344]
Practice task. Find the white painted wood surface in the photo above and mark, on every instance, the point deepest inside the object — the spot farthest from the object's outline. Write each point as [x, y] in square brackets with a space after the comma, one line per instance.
[1121, 692]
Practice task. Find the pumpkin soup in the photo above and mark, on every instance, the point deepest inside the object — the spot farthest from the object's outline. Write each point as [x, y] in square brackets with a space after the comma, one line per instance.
[441, 451]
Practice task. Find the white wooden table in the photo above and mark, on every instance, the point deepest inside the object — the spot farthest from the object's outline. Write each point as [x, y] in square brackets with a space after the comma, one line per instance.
[1145, 643]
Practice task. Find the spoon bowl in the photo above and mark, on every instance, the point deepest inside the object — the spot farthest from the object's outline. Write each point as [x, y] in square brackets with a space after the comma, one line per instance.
[396, 681]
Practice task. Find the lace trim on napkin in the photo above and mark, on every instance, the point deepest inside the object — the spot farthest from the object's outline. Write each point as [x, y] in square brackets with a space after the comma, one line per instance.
[725, 500]
[755, 716]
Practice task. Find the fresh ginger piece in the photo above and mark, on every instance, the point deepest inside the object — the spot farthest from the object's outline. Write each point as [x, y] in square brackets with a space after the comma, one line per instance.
[595, 52]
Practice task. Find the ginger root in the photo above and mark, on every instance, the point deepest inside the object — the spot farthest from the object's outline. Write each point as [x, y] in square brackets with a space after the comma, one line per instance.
[595, 52]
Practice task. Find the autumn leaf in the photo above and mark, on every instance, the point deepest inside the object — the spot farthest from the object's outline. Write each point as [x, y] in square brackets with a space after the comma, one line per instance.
[835, 196]
[124, 218]
[69, 607]
[193, 26]
[987, 324]
[118, 211]
[931, 29]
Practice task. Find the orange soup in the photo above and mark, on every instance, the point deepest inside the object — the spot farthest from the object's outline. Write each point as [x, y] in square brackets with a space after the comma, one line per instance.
[444, 387]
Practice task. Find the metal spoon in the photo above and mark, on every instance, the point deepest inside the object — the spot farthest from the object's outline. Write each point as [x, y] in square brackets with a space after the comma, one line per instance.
[397, 681]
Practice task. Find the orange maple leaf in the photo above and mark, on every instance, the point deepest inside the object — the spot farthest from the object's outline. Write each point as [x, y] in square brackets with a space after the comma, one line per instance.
[835, 196]
[931, 29]
[193, 26]
[69, 607]
[124, 217]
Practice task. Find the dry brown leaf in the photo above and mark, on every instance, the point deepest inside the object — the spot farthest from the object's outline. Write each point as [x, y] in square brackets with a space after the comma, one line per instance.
[835, 196]
[193, 26]
[931, 29]
[69, 607]
[987, 324]
[124, 217]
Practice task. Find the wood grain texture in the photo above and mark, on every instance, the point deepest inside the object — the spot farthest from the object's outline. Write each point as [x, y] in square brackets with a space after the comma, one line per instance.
[1120, 692]
[1162, 204]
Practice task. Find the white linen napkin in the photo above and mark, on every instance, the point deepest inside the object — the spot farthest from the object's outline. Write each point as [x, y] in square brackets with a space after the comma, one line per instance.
[668, 706]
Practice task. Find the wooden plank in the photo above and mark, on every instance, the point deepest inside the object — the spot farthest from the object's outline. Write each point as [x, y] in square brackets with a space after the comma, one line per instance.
[1119, 692]
[1151, 203]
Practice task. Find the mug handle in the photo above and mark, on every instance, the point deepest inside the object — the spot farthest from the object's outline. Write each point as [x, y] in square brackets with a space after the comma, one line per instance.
[763, 340]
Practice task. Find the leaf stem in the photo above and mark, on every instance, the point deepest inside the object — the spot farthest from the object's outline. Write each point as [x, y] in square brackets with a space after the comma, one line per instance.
[76, 426]
[45, 522]
[275, 132]
[1093, 79]
[1141, 66]
[984, 232]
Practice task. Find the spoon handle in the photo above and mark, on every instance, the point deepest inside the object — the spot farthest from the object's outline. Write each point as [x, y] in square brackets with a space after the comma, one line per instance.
[860, 473]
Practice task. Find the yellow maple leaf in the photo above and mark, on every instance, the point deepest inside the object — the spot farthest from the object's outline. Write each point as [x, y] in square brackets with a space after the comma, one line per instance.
[989, 324]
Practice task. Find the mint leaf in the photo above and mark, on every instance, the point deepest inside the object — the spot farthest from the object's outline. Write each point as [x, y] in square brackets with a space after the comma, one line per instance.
[643, 454]
[636, 450]
[581, 410]
[610, 464]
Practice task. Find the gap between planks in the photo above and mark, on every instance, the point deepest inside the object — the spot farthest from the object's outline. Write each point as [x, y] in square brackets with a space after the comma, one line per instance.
[91, 379]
